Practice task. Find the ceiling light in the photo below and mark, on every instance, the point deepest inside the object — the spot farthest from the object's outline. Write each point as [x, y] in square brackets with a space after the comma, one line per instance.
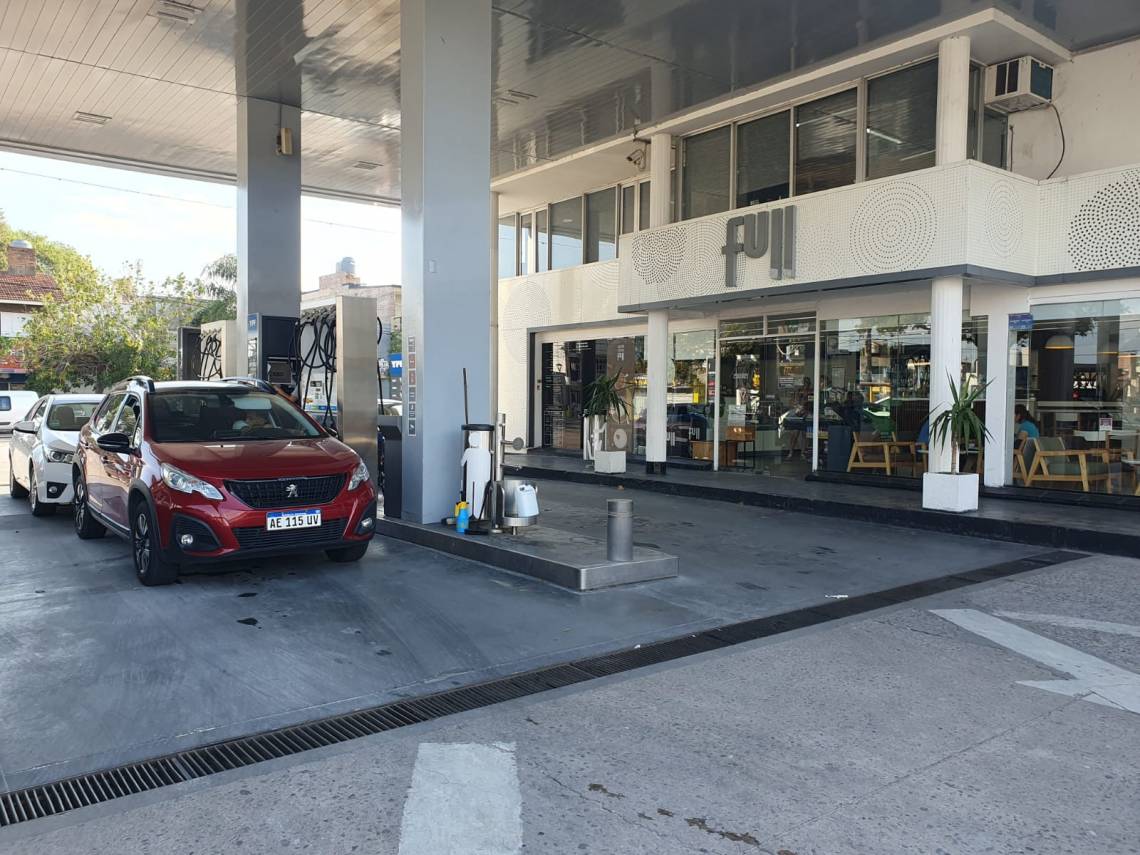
[365, 164]
[91, 118]
[174, 10]
[1059, 342]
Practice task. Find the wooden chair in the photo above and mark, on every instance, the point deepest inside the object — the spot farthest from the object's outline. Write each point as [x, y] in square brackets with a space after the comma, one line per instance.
[1053, 463]
[907, 453]
[870, 451]
[1019, 469]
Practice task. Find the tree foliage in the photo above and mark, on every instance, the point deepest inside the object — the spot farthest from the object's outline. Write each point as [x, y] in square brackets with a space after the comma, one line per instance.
[218, 289]
[100, 329]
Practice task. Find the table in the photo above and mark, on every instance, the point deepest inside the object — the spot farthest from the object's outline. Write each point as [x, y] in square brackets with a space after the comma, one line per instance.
[1105, 435]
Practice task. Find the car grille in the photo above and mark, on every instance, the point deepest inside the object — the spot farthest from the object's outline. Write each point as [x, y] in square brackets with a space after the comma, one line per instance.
[275, 493]
[329, 532]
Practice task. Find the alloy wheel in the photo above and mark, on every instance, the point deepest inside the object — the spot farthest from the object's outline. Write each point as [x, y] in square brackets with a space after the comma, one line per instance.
[80, 501]
[33, 490]
[141, 538]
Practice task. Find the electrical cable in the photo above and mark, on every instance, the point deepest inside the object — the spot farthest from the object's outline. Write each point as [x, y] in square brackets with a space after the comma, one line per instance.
[1061, 128]
[319, 326]
[320, 356]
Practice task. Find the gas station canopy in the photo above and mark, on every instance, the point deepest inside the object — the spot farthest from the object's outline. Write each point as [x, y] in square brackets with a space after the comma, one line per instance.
[153, 84]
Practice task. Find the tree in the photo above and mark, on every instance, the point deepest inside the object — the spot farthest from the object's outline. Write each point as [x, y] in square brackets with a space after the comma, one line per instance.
[395, 341]
[58, 260]
[219, 286]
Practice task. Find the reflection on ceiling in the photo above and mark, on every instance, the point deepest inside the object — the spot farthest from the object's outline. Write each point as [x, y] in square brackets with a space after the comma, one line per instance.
[156, 81]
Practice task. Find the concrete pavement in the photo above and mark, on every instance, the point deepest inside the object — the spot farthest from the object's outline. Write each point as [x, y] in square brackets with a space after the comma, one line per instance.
[900, 732]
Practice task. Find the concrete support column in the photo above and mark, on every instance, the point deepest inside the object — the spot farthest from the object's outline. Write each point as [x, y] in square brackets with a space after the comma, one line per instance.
[657, 391]
[445, 150]
[660, 164]
[952, 128]
[493, 213]
[657, 338]
[945, 357]
[268, 215]
[999, 402]
[946, 292]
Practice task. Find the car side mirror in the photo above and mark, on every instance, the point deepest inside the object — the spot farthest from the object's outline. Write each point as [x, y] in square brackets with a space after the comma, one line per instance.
[24, 427]
[116, 443]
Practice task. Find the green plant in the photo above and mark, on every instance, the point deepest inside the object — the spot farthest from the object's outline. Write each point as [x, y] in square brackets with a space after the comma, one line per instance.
[603, 397]
[958, 423]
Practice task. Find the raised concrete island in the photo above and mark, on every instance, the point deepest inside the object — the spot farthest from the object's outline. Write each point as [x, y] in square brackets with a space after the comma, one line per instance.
[563, 558]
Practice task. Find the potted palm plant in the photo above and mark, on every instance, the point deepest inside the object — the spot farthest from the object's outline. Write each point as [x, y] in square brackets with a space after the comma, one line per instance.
[957, 425]
[603, 399]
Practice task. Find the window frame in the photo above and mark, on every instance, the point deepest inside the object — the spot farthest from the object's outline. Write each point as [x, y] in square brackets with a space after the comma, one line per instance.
[859, 85]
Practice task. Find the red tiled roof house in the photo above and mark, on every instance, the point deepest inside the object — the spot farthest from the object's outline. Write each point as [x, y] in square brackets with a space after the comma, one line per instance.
[22, 291]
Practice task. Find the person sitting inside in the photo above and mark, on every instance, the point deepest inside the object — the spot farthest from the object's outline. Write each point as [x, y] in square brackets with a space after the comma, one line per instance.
[251, 421]
[1024, 427]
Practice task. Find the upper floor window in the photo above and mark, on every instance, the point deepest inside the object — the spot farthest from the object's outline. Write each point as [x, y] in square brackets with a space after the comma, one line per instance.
[901, 115]
[601, 225]
[705, 174]
[825, 142]
[566, 233]
[508, 246]
[762, 160]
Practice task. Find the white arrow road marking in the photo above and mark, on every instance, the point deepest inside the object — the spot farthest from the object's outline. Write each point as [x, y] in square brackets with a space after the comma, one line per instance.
[1074, 623]
[1094, 679]
[464, 800]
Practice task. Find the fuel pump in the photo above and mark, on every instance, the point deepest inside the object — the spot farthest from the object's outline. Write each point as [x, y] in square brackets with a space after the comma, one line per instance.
[272, 353]
[338, 382]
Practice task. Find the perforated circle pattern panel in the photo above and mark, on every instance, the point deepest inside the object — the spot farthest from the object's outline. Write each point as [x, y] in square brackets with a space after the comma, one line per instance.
[894, 228]
[1105, 231]
[527, 306]
[1004, 219]
[657, 255]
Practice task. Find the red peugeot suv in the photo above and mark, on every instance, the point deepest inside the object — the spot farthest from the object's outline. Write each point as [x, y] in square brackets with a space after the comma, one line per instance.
[196, 472]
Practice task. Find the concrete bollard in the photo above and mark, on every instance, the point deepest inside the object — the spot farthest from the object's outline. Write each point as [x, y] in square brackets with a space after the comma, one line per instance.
[619, 529]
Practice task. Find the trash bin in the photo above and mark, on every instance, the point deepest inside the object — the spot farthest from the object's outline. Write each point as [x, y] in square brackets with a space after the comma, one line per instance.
[838, 447]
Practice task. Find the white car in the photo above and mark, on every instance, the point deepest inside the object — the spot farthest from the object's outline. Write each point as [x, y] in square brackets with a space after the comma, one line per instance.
[14, 405]
[43, 447]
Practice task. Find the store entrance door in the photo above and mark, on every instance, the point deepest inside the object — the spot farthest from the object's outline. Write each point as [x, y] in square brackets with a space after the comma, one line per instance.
[767, 395]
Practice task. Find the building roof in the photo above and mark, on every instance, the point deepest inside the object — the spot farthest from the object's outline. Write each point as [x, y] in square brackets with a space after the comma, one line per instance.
[17, 288]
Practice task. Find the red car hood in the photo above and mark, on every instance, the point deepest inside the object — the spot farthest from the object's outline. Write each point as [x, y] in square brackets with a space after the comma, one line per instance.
[286, 458]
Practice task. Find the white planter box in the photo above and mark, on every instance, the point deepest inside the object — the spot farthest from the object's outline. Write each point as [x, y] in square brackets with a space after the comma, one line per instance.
[609, 461]
[942, 491]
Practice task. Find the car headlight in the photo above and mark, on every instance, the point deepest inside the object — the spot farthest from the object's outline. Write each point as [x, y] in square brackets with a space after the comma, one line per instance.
[178, 480]
[54, 456]
[359, 475]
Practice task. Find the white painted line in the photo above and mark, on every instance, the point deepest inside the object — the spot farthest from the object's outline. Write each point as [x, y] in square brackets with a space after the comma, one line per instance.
[1095, 680]
[1074, 623]
[464, 800]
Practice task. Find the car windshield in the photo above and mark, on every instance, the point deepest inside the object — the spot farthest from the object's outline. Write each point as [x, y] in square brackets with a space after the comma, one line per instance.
[215, 415]
[70, 415]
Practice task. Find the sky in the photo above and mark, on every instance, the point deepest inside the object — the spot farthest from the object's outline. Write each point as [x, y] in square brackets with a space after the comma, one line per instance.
[175, 225]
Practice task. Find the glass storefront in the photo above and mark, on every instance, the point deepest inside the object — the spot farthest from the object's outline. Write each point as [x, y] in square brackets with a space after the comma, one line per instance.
[1076, 376]
[568, 367]
[766, 395]
[692, 395]
[875, 393]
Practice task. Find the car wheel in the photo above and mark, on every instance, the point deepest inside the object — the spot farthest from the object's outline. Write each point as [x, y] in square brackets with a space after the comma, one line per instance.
[347, 554]
[15, 490]
[39, 509]
[86, 525]
[151, 566]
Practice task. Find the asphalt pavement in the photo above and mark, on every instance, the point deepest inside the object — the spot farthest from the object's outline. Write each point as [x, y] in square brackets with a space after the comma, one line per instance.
[1001, 718]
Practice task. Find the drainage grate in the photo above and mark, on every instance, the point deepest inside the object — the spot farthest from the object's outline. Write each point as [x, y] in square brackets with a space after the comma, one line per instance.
[83, 790]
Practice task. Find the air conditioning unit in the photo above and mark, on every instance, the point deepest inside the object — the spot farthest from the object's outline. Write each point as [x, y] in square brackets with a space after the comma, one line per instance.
[1018, 84]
